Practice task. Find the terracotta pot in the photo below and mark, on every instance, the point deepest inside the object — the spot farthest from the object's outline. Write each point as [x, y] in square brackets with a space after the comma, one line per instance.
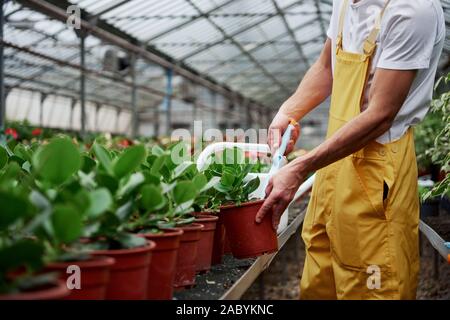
[94, 277]
[56, 291]
[205, 244]
[187, 256]
[226, 245]
[161, 272]
[247, 238]
[129, 275]
[219, 241]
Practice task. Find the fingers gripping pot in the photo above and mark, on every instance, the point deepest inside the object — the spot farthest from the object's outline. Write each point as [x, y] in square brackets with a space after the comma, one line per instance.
[240, 220]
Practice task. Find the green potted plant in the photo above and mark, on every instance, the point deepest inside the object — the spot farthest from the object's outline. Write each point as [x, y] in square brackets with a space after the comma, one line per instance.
[118, 176]
[435, 131]
[167, 201]
[21, 254]
[247, 239]
[62, 204]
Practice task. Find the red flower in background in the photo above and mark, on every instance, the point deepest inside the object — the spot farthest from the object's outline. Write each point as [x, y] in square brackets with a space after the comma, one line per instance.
[36, 132]
[125, 143]
[12, 132]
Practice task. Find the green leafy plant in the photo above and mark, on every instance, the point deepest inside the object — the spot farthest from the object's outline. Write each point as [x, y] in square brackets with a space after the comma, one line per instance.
[438, 152]
[21, 254]
[234, 186]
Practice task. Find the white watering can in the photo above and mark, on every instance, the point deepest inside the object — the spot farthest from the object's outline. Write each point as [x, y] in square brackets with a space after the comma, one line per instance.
[278, 161]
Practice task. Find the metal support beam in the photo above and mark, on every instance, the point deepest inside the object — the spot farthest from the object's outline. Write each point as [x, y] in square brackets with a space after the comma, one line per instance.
[321, 21]
[118, 111]
[134, 116]
[109, 34]
[261, 45]
[97, 109]
[73, 103]
[181, 25]
[168, 100]
[291, 33]
[41, 108]
[241, 48]
[234, 34]
[82, 36]
[2, 74]
[113, 6]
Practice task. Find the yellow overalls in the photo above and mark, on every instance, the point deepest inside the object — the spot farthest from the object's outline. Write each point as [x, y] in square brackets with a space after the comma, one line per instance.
[361, 227]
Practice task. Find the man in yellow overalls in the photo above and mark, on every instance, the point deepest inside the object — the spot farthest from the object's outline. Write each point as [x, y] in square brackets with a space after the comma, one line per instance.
[361, 227]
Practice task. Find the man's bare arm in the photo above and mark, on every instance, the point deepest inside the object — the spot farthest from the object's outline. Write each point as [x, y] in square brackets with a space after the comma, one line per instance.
[313, 90]
[389, 91]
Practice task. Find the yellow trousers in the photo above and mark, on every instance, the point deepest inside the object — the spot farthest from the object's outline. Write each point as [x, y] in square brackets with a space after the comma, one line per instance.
[361, 227]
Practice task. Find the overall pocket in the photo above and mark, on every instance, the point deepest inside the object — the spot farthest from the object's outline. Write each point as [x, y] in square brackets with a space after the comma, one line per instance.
[358, 222]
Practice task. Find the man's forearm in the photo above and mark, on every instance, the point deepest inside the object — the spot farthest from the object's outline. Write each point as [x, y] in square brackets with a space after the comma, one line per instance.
[388, 93]
[352, 137]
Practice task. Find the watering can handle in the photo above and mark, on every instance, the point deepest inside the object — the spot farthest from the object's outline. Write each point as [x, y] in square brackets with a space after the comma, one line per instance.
[203, 159]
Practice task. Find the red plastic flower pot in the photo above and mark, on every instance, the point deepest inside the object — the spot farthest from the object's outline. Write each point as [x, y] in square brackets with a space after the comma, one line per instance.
[205, 244]
[129, 275]
[226, 245]
[94, 277]
[219, 241]
[247, 238]
[56, 291]
[187, 256]
[161, 272]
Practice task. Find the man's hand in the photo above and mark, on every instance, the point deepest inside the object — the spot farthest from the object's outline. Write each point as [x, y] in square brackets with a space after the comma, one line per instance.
[279, 193]
[276, 130]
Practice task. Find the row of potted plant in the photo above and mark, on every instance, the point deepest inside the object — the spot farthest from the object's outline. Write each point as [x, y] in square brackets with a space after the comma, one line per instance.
[132, 222]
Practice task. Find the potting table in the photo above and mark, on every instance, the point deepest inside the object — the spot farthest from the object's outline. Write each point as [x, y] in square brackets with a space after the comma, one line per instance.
[231, 279]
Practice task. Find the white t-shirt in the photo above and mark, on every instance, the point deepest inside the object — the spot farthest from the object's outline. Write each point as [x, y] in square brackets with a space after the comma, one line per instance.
[412, 37]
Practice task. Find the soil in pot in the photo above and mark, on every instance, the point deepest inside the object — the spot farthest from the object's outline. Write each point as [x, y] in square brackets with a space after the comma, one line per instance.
[129, 275]
[187, 256]
[161, 271]
[94, 277]
[55, 291]
[205, 244]
[247, 238]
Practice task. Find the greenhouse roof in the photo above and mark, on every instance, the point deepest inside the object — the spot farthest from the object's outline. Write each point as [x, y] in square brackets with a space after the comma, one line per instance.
[258, 48]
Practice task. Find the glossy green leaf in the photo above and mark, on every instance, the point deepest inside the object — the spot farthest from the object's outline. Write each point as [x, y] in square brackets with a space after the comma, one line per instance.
[129, 160]
[3, 157]
[67, 223]
[100, 201]
[183, 168]
[103, 157]
[200, 181]
[13, 207]
[88, 164]
[211, 183]
[152, 198]
[184, 191]
[57, 161]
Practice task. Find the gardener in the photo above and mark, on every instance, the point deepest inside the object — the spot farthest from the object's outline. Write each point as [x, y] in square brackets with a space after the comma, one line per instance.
[361, 228]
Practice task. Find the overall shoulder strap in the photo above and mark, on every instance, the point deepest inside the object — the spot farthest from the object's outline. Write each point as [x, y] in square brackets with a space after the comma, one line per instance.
[342, 15]
[370, 43]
